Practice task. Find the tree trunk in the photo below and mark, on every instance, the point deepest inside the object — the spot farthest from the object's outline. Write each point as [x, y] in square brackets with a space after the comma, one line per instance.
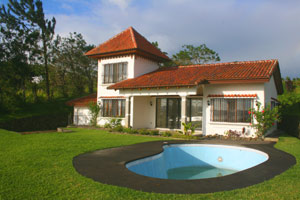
[46, 66]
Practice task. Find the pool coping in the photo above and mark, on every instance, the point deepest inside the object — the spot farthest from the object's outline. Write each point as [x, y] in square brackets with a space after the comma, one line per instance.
[108, 166]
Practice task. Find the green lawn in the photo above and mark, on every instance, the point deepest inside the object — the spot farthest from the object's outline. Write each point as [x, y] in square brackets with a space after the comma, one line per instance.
[39, 166]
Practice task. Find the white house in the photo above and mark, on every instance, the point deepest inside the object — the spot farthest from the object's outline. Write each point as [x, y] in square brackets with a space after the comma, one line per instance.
[215, 97]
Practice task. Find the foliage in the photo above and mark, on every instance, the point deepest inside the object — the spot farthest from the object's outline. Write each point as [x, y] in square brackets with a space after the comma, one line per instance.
[265, 118]
[195, 55]
[232, 134]
[69, 63]
[144, 132]
[30, 15]
[118, 128]
[113, 122]
[94, 109]
[166, 134]
[154, 132]
[188, 128]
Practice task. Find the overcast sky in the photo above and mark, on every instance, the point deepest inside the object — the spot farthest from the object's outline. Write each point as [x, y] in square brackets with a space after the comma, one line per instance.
[239, 30]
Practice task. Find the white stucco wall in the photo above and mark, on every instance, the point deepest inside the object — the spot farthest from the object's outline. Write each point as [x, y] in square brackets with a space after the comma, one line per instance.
[82, 116]
[270, 90]
[143, 66]
[143, 114]
[210, 128]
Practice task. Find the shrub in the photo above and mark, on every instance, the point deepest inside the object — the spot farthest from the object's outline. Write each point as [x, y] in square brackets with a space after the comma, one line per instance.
[167, 134]
[118, 129]
[265, 118]
[114, 122]
[144, 132]
[154, 132]
[107, 125]
[127, 130]
[94, 110]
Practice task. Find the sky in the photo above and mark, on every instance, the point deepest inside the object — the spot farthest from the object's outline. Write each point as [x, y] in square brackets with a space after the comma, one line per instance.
[239, 30]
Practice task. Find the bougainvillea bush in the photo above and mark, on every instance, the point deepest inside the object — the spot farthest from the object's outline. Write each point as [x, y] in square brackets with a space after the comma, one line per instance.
[265, 118]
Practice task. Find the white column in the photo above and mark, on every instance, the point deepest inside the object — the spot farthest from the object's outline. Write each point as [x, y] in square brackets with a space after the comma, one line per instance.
[127, 112]
[183, 111]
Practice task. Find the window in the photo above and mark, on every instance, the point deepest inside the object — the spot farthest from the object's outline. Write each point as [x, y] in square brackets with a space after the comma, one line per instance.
[113, 108]
[194, 112]
[168, 113]
[114, 73]
[230, 110]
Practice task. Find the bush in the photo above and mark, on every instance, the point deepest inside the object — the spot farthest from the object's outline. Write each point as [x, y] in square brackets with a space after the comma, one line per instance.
[118, 129]
[126, 130]
[167, 134]
[36, 123]
[154, 132]
[107, 125]
[144, 132]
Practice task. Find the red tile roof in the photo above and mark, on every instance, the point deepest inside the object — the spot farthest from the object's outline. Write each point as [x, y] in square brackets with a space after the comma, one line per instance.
[232, 95]
[127, 42]
[191, 75]
[83, 101]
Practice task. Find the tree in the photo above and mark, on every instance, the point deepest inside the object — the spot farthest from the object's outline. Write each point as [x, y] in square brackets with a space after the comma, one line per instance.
[17, 51]
[70, 63]
[195, 55]
[31, 14]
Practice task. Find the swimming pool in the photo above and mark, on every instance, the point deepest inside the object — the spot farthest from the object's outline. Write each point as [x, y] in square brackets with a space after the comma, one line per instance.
[197, 161]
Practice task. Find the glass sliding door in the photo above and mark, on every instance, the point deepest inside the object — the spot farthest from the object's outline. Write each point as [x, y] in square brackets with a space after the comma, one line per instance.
[194, 112]
[168, 113]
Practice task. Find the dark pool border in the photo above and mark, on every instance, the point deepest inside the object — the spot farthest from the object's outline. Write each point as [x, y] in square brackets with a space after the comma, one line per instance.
[108, 166]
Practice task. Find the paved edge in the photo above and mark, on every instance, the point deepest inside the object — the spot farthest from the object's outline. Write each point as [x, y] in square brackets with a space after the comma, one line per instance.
[108, 166]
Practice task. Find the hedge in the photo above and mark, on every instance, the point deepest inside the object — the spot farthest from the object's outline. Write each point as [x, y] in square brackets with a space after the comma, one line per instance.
[36, 123]
[290, 124]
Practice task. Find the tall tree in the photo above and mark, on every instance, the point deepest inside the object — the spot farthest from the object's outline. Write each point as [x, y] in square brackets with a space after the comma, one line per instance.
[32, 12]
[17, 50]
[195, 55]
[70, 63]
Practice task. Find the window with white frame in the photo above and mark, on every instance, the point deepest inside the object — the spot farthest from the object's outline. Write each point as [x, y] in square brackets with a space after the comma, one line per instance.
[115, 72]
[230, 110]
[113, 108]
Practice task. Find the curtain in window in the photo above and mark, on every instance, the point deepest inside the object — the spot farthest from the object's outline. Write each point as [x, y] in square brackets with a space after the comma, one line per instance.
[230, 110]
[114, 73]
[113, 108]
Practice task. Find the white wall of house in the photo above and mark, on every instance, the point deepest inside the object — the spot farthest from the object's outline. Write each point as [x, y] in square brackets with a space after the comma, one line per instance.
[210, 128]
[82, 116]
[136, 66]
[270, 90]
[143, 114]
[143, 66]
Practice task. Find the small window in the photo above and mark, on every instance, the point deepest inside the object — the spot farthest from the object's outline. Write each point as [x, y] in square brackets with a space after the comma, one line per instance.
[230, 110]
[113, 108]
[114, 73]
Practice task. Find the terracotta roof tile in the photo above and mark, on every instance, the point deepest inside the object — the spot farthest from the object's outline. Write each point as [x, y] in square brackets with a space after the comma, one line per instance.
[125, 42]
[83, 101]
[191, 75]
[232, 95]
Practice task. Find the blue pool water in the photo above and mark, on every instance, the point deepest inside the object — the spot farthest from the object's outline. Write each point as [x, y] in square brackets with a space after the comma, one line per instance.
[197, 161]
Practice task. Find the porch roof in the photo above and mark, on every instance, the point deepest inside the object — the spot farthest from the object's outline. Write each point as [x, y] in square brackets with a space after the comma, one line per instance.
[192, 75]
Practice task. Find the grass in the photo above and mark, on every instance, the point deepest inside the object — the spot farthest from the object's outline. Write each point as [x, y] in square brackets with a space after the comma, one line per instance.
[39, 166]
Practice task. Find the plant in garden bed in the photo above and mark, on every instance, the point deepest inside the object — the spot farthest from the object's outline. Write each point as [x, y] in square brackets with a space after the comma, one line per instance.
[265, 117]
[94, 110]
[188, 128]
